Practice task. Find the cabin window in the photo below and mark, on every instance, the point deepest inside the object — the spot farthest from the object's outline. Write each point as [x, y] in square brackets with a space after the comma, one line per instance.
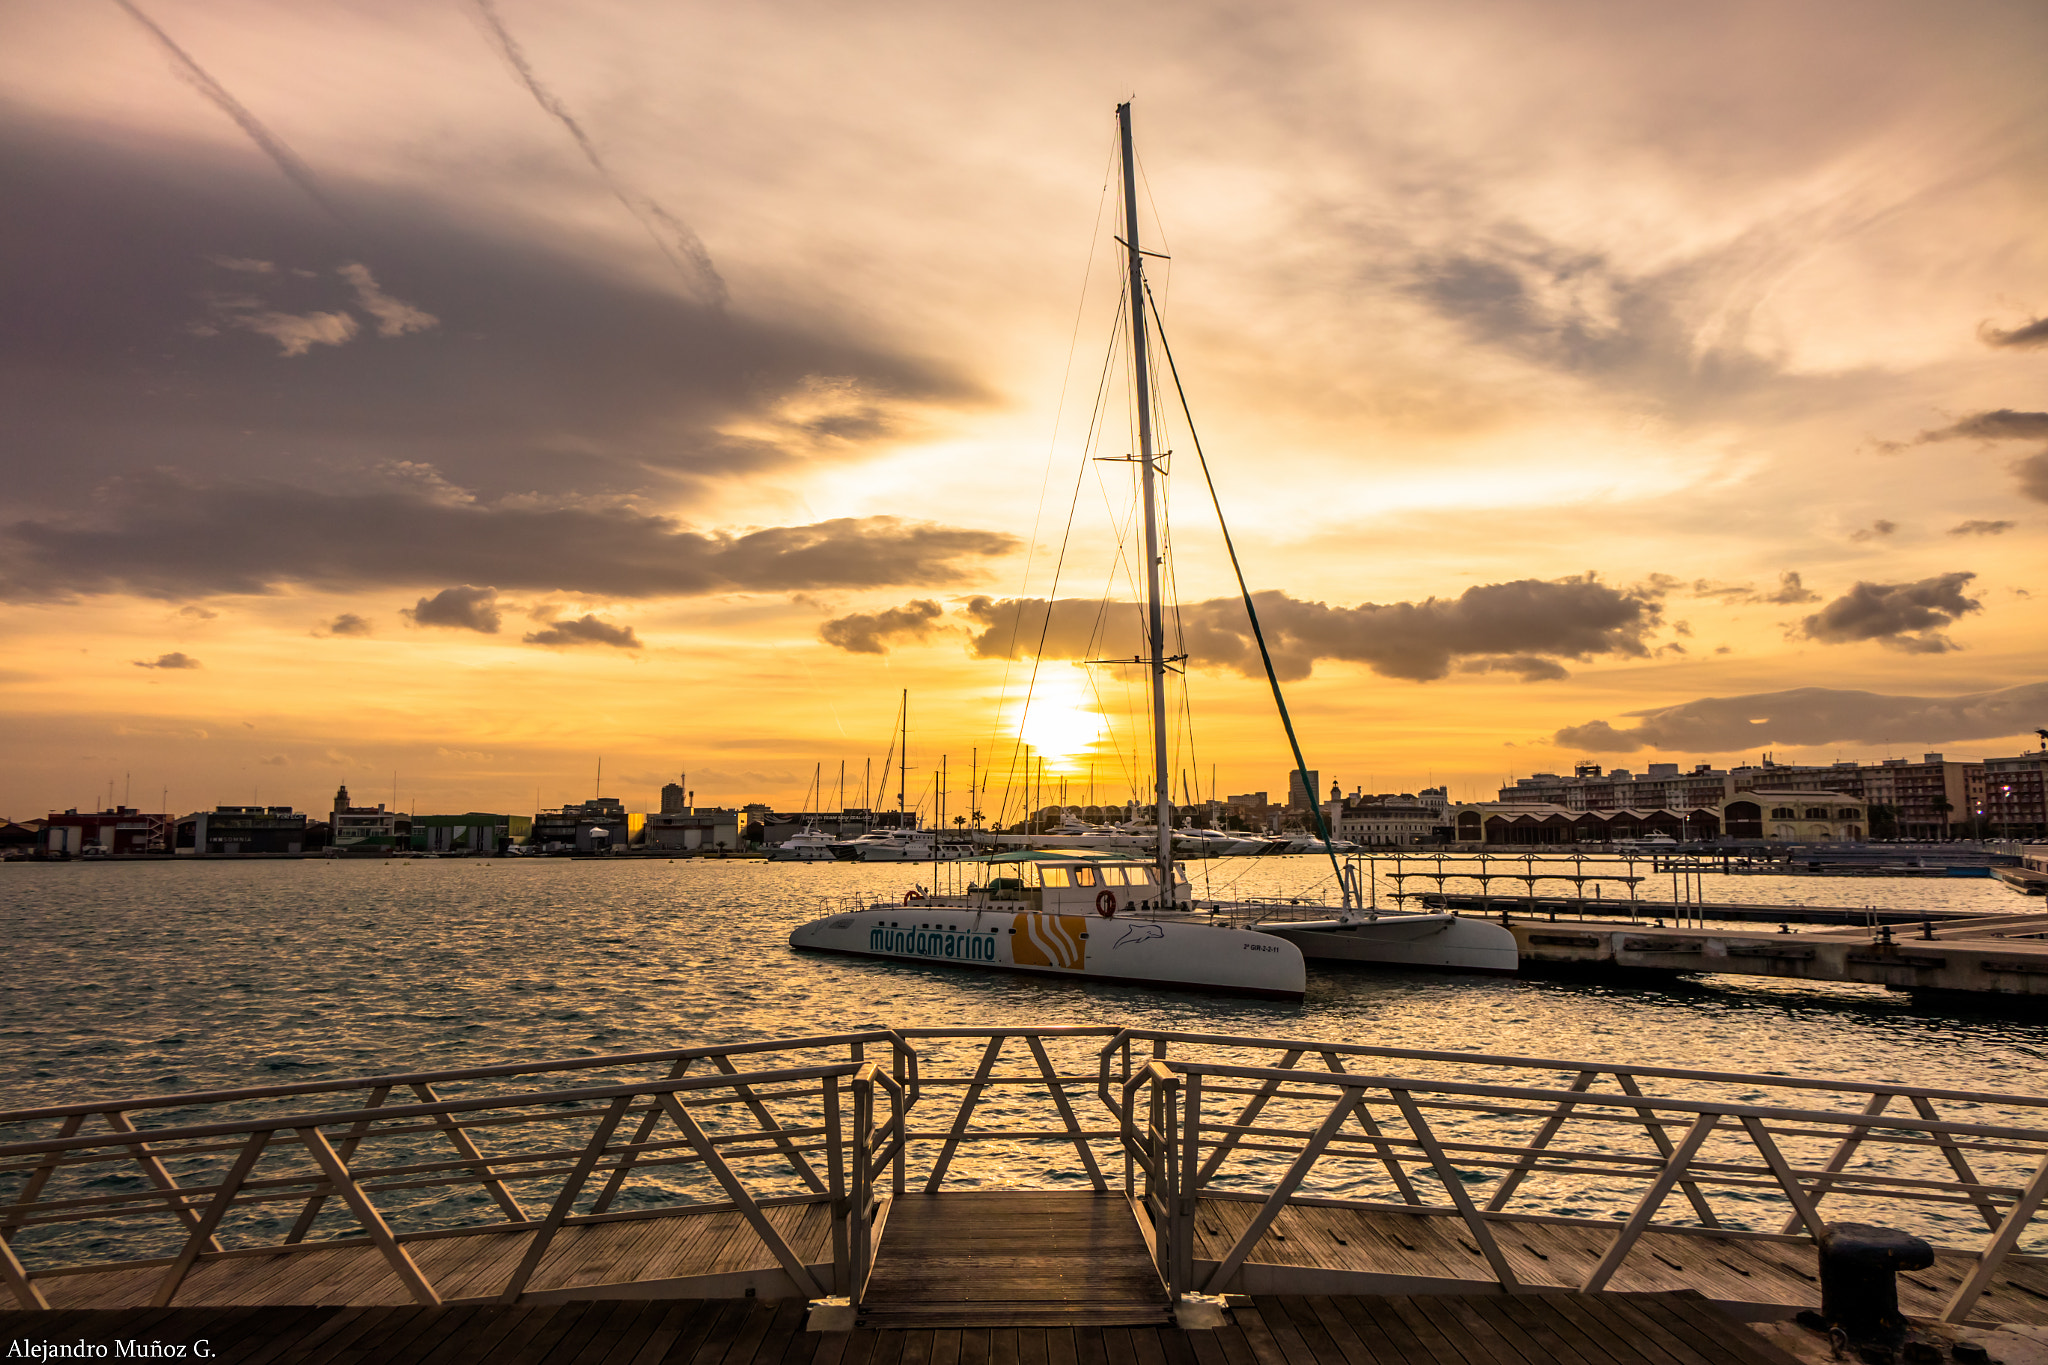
[1140, 876]
[1052, 876]
[1084, 876]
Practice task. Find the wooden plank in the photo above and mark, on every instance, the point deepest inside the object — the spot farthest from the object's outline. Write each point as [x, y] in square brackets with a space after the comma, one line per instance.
[1259, 1337]
[1437, 1345]
[1687, 1311]
[718, 1334]
[1647, 1329]
[1598, 1326]
[1478, 1347]
[1498, 1344]
[1533, 1334]
[432, 1333]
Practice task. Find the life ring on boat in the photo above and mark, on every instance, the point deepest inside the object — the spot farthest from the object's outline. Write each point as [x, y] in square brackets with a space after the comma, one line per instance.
[912, 895]
[1105, 903]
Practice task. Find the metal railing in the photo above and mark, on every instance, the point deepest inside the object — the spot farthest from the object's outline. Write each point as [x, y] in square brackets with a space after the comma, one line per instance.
[391, 1164]
[1184, 1120]
[362, 1170]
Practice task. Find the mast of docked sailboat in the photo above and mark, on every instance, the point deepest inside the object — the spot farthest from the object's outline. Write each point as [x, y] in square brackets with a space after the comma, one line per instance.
[903, 760]
[1155, 621]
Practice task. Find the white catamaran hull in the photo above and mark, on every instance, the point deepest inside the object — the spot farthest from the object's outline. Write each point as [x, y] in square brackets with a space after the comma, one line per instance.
[1077, 947]
[1439, 942]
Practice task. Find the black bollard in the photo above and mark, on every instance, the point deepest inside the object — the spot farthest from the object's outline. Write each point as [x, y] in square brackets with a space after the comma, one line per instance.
[1859, 1288]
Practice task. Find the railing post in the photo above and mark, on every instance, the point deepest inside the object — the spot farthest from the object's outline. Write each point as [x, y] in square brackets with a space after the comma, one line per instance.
[1998, 1246]
[835, 1175]
[1187, 1182]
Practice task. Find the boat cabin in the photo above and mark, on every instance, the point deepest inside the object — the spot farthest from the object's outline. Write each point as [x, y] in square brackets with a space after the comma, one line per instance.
[1070, 882]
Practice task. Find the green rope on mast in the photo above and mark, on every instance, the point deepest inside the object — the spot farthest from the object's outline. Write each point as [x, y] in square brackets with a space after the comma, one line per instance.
[1258, 634]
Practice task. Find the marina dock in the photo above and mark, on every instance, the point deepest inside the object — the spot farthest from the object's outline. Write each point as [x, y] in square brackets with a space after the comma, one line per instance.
[1508, 902]
[1060, 1181]
[1999, 955]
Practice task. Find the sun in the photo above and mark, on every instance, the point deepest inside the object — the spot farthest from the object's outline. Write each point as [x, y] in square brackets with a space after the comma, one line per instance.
[1062, 721]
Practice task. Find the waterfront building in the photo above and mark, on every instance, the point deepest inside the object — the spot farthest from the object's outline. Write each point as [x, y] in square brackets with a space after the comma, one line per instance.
[243, 829]
[1770, 817]
[1924, 799]
[121, 829]
[595, 826]
[2015, 802]
[1383, 821]
[366, 829]
[706, 827]
[1301, 789]
[676, 798]
[474, 832]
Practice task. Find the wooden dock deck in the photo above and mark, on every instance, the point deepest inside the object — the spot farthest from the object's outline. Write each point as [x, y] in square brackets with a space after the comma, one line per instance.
[1658, 1329]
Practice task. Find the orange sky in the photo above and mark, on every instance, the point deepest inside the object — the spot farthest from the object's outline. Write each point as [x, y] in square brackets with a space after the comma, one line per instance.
[469, 393]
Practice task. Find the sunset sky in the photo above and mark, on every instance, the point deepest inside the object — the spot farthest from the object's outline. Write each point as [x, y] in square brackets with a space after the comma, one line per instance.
[442, 397]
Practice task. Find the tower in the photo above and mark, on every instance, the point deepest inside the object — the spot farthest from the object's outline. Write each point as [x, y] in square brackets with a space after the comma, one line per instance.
[341, 797]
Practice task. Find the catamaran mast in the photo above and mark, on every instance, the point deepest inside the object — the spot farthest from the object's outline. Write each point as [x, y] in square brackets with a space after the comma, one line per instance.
[1155, 620]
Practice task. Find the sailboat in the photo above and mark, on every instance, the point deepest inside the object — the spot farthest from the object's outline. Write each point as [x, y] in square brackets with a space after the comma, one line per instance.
[1123, 916]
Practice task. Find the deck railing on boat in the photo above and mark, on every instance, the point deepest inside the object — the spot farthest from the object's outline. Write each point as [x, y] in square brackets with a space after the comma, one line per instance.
[808, 1140]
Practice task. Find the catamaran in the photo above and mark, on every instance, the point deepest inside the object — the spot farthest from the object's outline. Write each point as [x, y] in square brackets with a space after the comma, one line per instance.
[1121, 916]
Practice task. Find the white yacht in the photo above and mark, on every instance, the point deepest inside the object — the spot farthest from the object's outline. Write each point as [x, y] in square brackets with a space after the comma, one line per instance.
[813, 845]
[903, 846]
[1095, 917]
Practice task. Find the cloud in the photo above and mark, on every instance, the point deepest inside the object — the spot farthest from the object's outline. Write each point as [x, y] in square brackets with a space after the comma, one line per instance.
[2004, 424]
[1877, 528]
[168, 661]
[2026, 338]
[463, 608]
[160, 536]
[276, 761]
[1807, 716]
[1575, 618]
[295, 333]
[874, 632]
[348, 623]
[585, 630]
[1791, 591]
[2000, 424]
[1528, 667]
[1974, 527]
[395, 317]
[198, 613]
[1902, 616]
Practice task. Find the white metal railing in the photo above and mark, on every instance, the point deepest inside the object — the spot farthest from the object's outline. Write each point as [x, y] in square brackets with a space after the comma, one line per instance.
[1185, 1119]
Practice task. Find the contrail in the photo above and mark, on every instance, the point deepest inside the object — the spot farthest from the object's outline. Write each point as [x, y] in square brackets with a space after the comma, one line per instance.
[273, 146]
[684, 249]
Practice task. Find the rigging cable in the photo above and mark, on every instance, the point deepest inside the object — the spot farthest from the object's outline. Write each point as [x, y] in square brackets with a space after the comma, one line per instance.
[1251, 610]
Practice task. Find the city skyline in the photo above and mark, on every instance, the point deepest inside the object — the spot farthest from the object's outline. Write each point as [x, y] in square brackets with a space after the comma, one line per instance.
[476, 390]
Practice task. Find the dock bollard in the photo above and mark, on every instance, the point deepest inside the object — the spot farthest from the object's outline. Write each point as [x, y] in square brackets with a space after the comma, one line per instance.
[1859, 1287]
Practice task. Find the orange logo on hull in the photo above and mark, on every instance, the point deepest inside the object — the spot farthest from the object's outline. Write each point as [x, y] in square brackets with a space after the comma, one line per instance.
[1050, 941]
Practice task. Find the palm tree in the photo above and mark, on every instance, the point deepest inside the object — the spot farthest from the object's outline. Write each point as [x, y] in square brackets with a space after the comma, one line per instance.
[1942, 807]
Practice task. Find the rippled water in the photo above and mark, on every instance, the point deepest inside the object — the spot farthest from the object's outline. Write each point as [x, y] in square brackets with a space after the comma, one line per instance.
[145, 978]
[136, 978]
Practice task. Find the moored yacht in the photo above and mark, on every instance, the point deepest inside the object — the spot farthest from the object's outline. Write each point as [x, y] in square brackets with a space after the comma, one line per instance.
[812, 845]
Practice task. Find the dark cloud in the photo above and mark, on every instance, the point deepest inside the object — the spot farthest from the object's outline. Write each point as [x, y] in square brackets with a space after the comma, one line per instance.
[463, 608]
[551, 371]
[874, 632]
[585, 630]
[2001, 424]
[1528, 667]
[198, 613]
[168, 661]
[1791, 591]
[1902, 616]
[1813, 716]
[1573, 618]
[1974, 527]
[1875, 530]
[348, 623]
[156, 536]
[2025, 338]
